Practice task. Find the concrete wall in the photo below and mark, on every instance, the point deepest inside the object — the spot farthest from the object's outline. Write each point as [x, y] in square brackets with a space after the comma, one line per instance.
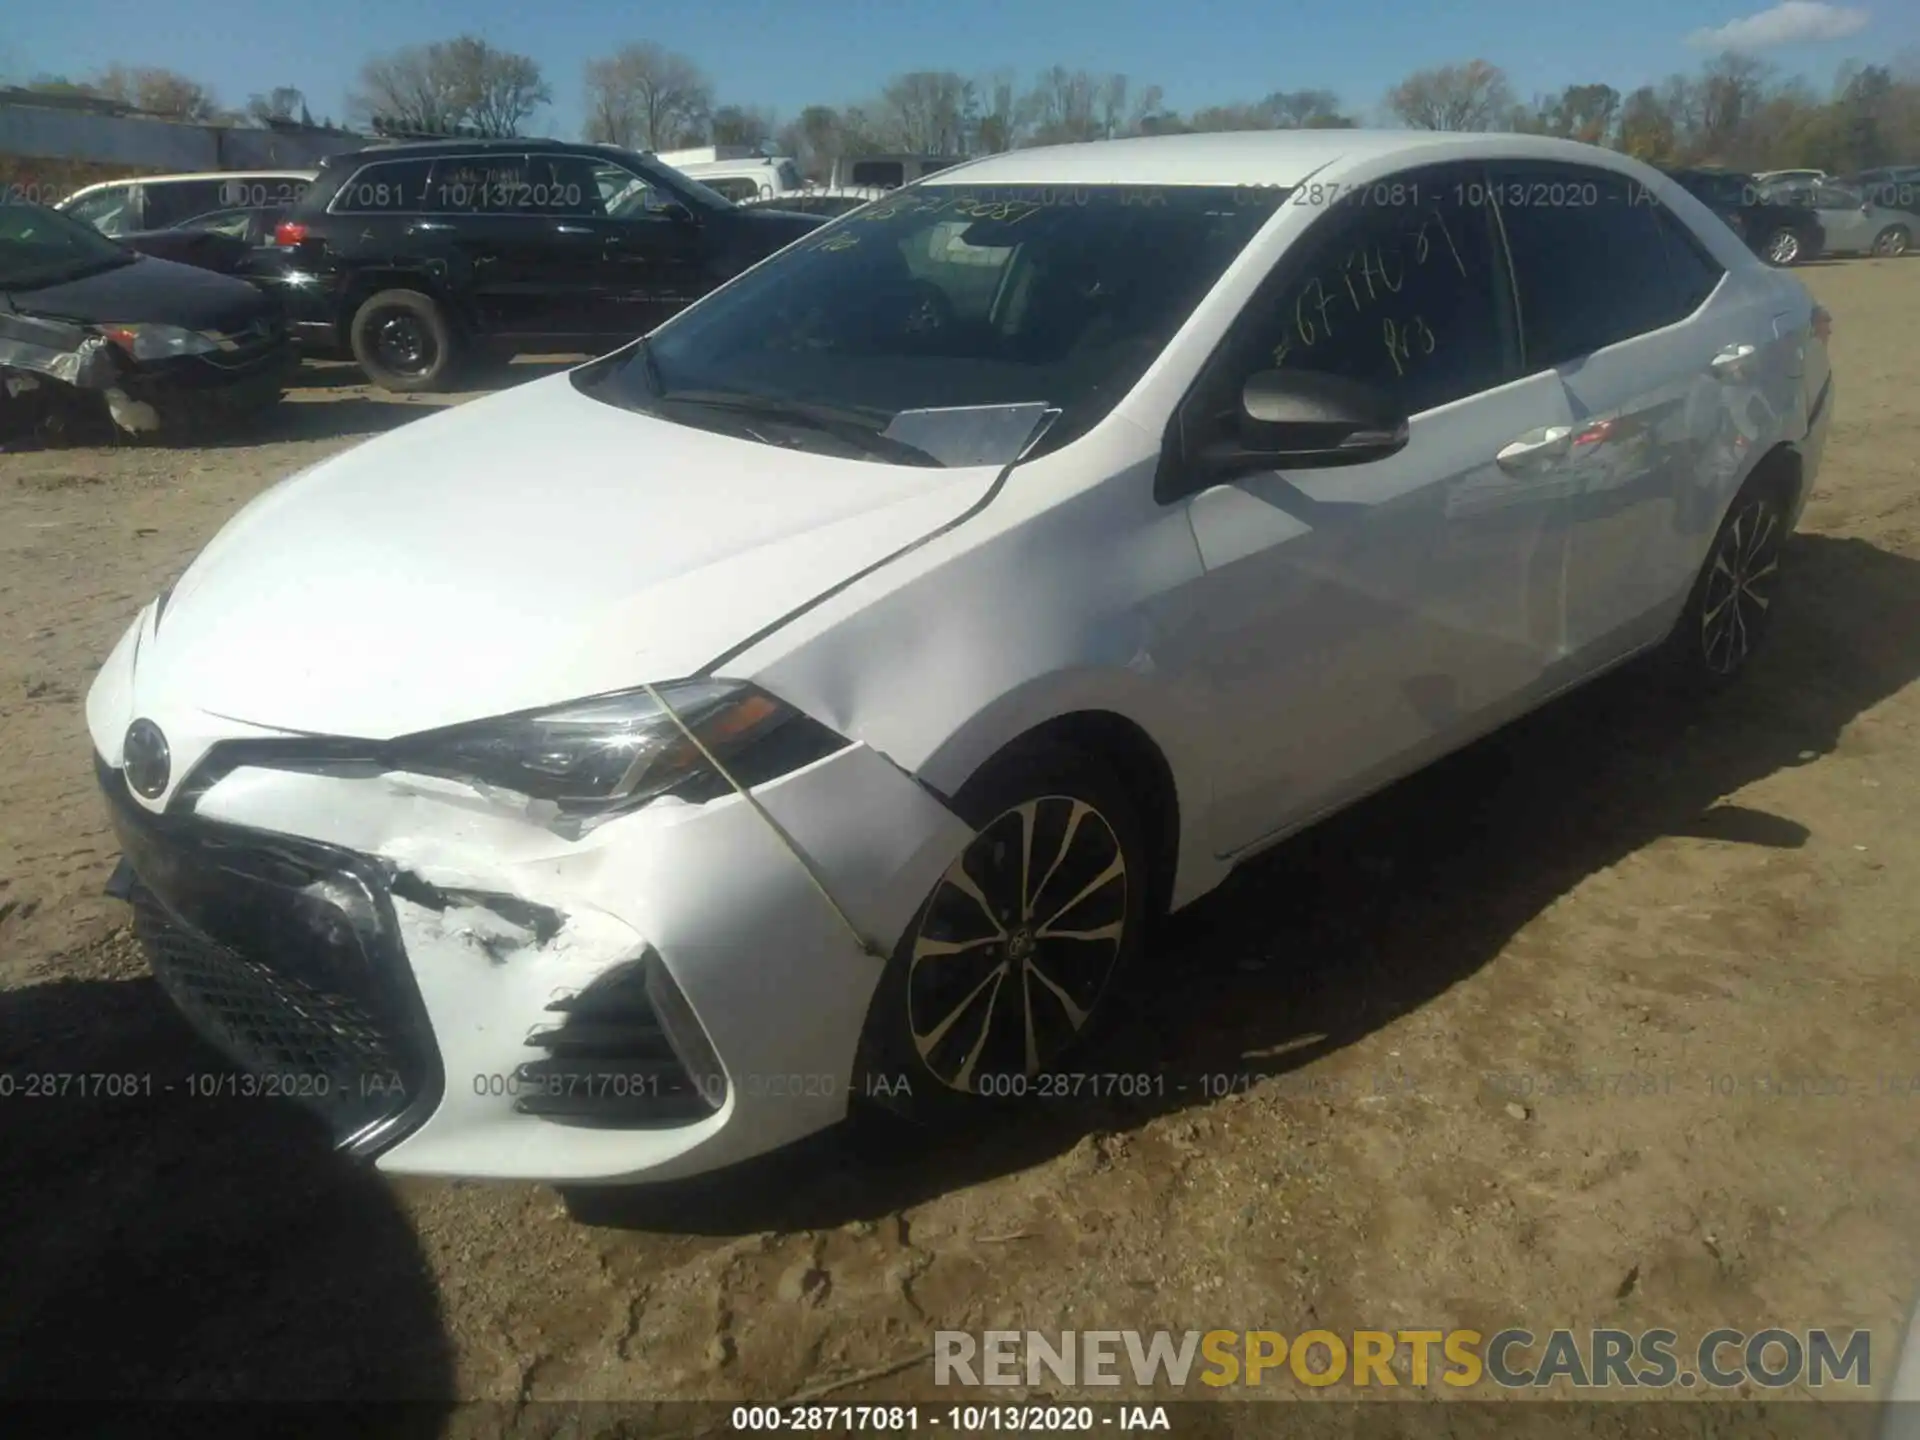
[44, 133]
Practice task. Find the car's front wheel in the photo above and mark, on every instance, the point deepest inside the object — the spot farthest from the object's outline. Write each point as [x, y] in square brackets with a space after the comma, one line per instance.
[1783, 247]
[1893, 241]
[1013, 966]
[1731, 604]
[404, 341]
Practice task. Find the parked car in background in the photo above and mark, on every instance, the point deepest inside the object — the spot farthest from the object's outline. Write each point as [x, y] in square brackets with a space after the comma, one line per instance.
[220, 241]
[166, 347]
[818, 702]
[1851, 223]
[1779, 234]
[159, 202]
[824, 201]
[414, 258]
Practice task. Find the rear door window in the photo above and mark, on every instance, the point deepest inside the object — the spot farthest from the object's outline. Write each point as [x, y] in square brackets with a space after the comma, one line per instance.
[391, 187]
[483, 185]
[1593, 261]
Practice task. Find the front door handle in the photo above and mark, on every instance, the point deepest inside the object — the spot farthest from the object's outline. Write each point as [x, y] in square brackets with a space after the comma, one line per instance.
[573, 230]
[1546, 443]
[1732, 358]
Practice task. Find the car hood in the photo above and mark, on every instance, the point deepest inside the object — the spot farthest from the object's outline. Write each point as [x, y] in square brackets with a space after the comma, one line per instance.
[149, 291]
[530, 548]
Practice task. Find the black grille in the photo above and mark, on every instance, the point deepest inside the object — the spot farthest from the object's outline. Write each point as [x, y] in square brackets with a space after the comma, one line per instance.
[610, 1062]
[284, 955]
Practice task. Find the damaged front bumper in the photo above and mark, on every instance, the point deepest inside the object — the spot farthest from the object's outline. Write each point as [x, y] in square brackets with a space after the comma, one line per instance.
[459, 991]
[40, 355]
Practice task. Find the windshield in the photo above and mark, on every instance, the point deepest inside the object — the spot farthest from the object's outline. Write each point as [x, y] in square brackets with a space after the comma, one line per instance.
[39, 246]
[946, 298]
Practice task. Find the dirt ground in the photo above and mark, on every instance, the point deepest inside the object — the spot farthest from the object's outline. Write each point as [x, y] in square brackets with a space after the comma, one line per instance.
[1434, 994]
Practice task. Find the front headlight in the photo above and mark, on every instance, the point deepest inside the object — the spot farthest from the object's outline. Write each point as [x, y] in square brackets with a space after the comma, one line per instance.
[158, 342]
[597, 758]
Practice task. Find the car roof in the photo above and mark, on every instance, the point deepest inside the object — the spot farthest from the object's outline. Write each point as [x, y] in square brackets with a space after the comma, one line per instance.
[1272, 157]
[456, 145]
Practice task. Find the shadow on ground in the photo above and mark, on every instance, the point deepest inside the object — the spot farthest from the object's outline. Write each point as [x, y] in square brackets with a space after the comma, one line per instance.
[1372, 914]
[157, 1246]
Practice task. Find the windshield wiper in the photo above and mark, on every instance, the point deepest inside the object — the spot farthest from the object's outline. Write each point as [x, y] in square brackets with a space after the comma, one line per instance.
[852, 426]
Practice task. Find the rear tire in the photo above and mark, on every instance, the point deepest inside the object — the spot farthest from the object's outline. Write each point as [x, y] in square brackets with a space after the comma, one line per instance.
[1016, 962]
[1893, 242]
[404, 341]
[1730, 608]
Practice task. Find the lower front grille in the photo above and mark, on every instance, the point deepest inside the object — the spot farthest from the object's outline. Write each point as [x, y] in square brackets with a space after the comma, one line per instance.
[285, 956]
[299, 1040]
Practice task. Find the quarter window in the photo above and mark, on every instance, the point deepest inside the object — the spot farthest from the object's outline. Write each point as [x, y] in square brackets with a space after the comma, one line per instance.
[1404, 293]
[1596, 260]
[171, 201]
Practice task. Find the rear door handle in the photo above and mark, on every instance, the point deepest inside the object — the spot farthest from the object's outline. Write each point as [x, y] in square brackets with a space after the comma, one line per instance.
[1543, 444]
[573, 229]
[1731, 358]
[417, 226]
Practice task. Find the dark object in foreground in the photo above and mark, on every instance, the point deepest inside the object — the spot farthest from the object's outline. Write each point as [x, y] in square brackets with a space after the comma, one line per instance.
[86, 323]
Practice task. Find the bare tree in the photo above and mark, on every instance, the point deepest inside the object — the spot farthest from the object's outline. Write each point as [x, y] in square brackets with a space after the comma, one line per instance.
[454, 86]
[281, 105]
[157, 91]
[1063, 107]
[646, 97]
[741, 125]
[1471, 96]
[925, 112]
[1648, 129]
[1732, 88]
[997, 122]
[1586, 113]
[1306, 110]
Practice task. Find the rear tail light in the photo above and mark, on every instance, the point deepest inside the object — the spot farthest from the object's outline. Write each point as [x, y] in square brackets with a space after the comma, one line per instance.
[1822, 324]
[289, 232]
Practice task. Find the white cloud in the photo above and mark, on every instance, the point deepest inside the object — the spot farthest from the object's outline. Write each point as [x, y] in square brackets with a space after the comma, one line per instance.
[1791, 22]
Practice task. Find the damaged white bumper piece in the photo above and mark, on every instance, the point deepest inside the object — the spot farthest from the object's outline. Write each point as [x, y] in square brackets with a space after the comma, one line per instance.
[681, 988]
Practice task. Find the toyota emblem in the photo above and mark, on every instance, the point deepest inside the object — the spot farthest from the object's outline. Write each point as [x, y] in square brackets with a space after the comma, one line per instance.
[148, 763]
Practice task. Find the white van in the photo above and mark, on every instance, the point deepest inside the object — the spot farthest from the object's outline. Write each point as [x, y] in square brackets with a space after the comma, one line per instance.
[761, 177]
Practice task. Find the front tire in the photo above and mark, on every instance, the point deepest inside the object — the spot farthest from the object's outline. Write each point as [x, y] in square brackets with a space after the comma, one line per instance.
[1014, 965]
[1731, 605]
[1783, 247]
[404, 341]
[1892, 242]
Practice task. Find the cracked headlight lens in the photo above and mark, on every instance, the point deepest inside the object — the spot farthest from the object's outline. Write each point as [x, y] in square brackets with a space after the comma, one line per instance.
[610, 754]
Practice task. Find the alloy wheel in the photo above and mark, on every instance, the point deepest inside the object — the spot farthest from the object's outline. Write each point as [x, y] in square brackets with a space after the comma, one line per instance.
[1783, 248]
[1017, 945]
[1891, 242]
[1739, 586]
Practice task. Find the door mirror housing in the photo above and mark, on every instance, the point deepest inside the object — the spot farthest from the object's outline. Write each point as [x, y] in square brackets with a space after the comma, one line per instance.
[676, 211]
[1301, 420]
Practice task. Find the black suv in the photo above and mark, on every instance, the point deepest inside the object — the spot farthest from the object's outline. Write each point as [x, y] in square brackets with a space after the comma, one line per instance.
[1779, 234]
[415, 257]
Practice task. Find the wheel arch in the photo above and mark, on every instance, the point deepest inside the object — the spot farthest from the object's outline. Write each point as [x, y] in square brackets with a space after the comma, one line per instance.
[1166, 785]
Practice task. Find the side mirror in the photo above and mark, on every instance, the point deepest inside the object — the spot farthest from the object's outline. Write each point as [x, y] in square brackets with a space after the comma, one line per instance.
[675, 211]
[1300, 420]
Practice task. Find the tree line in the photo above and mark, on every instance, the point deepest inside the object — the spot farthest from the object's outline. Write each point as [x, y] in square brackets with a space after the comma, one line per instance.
[1735, 110]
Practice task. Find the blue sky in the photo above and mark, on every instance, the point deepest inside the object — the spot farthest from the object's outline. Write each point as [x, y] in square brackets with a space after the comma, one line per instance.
[838, 51]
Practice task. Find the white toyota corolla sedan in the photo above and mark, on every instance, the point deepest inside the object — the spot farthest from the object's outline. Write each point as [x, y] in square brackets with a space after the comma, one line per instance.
[813, 704]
